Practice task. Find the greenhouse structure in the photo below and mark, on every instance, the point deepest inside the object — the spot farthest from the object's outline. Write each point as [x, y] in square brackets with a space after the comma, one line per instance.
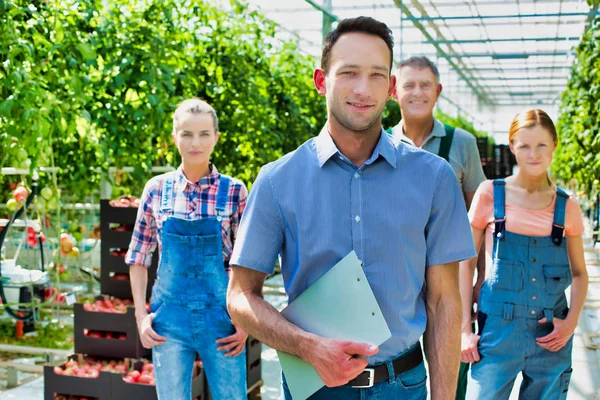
[144, 142]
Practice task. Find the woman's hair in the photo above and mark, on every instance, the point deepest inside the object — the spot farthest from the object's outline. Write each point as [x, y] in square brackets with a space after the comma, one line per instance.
[194, 106]
[529, 119]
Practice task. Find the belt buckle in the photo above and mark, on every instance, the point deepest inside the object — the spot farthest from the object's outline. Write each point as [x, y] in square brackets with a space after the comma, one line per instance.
[371, 378]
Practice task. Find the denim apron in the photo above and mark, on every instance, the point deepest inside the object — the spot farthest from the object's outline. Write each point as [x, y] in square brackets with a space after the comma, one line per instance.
[188, 304]
[527, 282]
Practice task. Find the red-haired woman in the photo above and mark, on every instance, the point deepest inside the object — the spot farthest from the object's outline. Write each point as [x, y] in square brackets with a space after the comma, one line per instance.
[533, 239]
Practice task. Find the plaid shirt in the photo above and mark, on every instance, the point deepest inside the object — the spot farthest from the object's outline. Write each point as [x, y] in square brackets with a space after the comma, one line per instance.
[192, 201]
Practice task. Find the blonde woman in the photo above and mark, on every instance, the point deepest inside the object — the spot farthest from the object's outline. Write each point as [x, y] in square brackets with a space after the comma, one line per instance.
[192, 214]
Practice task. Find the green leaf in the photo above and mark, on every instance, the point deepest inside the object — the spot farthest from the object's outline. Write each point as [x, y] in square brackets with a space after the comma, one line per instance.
[59, 34]
[87, 51]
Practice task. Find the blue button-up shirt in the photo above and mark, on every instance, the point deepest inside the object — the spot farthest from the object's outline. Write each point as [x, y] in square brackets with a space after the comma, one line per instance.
[401, 212]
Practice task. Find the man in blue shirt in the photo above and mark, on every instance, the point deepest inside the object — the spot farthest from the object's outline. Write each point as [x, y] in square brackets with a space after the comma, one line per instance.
[353, 188]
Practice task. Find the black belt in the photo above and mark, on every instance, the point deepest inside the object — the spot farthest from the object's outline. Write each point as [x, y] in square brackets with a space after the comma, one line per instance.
[371, 376]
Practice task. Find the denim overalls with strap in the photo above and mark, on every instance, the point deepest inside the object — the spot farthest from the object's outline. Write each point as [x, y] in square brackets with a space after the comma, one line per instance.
[527, 282]
[189, 303]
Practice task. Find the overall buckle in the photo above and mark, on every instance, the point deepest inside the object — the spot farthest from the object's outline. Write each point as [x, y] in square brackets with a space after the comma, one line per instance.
[499, 228]
[370, 378]
[557, 234]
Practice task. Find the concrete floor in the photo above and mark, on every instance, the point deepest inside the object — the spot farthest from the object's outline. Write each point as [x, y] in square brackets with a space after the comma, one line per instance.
[585, 382]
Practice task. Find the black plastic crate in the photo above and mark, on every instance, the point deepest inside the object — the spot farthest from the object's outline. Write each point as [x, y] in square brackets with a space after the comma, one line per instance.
[254, 374]
[253, 367]
[112, 240]
[253, 362]
[111, 322]
[73, 385]
[253, 350]
[122, 390]
[120, 215]
[121, 288]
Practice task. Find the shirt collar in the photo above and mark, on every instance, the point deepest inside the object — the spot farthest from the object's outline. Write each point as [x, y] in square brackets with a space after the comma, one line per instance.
[326, 148]
[181, 182]
[437, 131]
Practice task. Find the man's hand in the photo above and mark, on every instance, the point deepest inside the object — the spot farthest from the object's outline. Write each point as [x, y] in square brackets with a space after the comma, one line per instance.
[468, 348]
[560, 335]
[148, 337]
[339, 361]
[233, 344]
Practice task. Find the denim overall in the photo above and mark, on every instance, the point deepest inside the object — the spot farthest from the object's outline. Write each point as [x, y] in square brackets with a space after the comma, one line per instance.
[527, 282]
[188, 303]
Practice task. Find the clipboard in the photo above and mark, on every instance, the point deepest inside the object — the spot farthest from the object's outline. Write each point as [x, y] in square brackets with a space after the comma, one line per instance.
[339, 305]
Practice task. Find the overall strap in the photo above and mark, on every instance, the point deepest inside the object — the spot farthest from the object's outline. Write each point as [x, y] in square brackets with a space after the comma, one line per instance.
[446, 142]
[222, 196]
[499, 217]
[167, 195]
[560, 208]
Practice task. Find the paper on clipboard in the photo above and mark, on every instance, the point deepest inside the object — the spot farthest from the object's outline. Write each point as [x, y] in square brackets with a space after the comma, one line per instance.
[339, 305]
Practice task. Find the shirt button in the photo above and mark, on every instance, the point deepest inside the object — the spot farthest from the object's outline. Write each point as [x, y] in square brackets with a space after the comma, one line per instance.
[534, 279]
[533, 260]
[532, 312]
[356, 175]
[533, 297]
[534, 241]
[357, 218]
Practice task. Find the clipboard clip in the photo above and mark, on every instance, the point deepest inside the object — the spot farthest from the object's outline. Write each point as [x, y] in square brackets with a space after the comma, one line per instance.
[370, 378]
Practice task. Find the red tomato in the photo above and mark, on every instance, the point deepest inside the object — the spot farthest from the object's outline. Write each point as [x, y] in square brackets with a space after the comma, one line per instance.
[134, 375]
[148, 367]
[20, 194]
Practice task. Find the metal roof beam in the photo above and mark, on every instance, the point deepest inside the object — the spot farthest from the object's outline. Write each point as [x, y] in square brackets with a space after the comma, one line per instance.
[505, 23]
[387, 6]
[464, 17]
[488, 23]
[537, 78]
[503, 56]
[549, 86]
[538, 39]
[527, 93]
[520, 69]
[323, 10]
[469, 80]
[524, 104]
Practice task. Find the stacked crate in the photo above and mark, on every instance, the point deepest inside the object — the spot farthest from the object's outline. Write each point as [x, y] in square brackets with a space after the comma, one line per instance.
[114, 281]
[124, 343]
[253, 365]
[486, 160]
[114, 273]
[108, 385]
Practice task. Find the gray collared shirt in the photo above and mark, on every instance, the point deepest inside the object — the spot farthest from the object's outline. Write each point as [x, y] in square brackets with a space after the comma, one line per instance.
[463, 158]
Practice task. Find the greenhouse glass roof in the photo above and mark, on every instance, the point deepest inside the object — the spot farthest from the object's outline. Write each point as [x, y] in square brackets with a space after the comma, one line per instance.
[494, 56]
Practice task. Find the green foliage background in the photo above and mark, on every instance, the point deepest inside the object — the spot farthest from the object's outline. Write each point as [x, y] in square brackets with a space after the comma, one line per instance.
[89, 84]
[577, 159]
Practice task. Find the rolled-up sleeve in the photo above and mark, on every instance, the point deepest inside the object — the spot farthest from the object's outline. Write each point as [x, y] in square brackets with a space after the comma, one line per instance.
[261, 232]
[448, 233]
[144, 238]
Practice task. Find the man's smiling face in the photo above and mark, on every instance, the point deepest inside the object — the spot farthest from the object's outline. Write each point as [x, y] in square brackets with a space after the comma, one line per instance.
[417, 91]
[358, 82]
